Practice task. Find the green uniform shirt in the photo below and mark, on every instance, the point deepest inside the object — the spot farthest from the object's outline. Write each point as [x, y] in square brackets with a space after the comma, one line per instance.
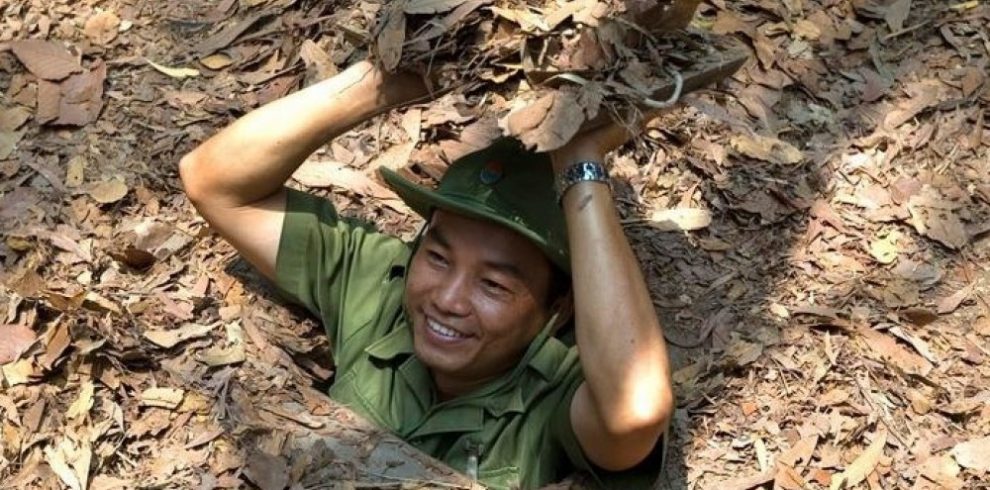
[515, 432]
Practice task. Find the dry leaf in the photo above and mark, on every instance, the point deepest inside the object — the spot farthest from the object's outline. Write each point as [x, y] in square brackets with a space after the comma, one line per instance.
[15, 340]
[18, 372]
[395, 157]
[55, 457]
[392, 37]
[13, 118]
[171, 338]
[412, 123]
[217, 61]
[951, 303]
[314, 173]
[431, 6]
[46, 59]
[550, 122]
[897, 13]
[109, 191]
[974, 454]
[861, 468]
[83, 403]
[318, 59]
[885, 348]
[177, 73]
[681, 219]
[102, 28]
[885, 250]
[169, 398]
[75, 171]
[767, 149]
[943, 471]
[222, 356]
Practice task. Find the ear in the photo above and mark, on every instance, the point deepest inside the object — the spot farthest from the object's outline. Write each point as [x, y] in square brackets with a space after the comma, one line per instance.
[563, 308]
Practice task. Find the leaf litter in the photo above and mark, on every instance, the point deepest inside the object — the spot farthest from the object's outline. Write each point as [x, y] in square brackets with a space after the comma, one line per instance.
[814, 226]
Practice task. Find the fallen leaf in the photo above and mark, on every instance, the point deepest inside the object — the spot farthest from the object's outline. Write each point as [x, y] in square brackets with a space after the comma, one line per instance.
[787, 478]
[973, 454]
[177, 73]
[943, 471]
[83, 403]
[46, 59]
[548, 123]
[102, 28]
[18, 372]
[223, 356]
[315, 173]
[316, 58]
[217, 61]
[919, 316]
[681, 219]
[75, 171]
[431, 6]
[919, 345]
[109, 191]
[394, 158]
[861, 468]
[15, 340]
[801, 453]
[8, 142]
[885, 249]
[897, 13]
[81, 97]
[171, 338]
[168, 398]
[13, 118]
[951, 302]
[767, 149]
[266, 471]
[55, 457]
[392, 37]
[883, 347]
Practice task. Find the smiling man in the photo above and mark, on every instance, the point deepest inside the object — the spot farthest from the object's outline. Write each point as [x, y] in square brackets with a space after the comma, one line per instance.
[451, 342]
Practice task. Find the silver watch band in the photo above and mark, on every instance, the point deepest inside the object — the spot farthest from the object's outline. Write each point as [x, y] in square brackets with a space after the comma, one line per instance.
[583, 171]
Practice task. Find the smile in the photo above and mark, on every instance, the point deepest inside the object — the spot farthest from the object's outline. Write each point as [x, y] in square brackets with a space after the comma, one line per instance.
[443, 331]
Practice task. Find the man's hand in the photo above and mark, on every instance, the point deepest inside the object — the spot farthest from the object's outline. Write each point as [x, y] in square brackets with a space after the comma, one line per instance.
[236, 178]
[622, 408]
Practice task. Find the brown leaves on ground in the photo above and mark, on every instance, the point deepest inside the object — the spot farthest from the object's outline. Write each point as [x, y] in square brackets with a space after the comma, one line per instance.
[813, 233]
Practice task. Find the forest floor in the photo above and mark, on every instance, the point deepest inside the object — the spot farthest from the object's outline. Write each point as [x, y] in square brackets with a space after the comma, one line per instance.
[830, 324]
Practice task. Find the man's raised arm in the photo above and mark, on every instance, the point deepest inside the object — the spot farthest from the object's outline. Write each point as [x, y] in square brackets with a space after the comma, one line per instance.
[622, 408]
[236, 178]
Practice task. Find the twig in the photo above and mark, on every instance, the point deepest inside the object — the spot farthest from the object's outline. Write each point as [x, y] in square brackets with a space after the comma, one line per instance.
[906, 30]
[416, 480]
[310, 424]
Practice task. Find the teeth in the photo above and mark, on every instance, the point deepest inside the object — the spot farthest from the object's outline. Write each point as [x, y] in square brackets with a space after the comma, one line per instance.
[444, 331]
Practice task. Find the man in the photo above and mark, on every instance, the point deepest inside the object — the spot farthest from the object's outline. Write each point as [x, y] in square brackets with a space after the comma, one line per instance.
[449, 342]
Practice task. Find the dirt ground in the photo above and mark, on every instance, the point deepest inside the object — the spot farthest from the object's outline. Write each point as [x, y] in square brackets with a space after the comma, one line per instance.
[815, 233]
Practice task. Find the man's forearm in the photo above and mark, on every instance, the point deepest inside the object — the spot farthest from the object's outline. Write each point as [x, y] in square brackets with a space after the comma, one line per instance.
[252, 158]
[618, 333]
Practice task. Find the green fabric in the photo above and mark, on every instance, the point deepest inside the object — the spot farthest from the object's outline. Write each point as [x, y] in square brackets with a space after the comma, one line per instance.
[504, 183]
[352, 278]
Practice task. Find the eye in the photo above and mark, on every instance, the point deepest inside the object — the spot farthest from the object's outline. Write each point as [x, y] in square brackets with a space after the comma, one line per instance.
[495, 288]
[435, 258]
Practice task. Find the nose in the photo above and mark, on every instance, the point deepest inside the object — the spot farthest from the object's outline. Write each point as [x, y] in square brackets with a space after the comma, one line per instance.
[452, 295]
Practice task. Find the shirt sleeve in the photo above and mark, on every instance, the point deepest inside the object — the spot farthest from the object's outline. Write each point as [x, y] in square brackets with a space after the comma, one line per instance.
[337, 269]
[642, 476]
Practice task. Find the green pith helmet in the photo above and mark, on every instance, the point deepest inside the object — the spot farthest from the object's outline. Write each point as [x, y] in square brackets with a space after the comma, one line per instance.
[504, 184]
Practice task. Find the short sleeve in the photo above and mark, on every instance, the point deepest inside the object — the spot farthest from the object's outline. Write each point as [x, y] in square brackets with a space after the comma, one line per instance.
[642, 476]
[339, 270]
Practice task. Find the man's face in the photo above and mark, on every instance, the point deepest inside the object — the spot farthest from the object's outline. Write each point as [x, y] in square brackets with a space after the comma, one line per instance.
[476, 294]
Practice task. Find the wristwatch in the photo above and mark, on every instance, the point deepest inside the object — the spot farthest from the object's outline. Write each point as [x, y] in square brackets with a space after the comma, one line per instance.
[580, 172]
